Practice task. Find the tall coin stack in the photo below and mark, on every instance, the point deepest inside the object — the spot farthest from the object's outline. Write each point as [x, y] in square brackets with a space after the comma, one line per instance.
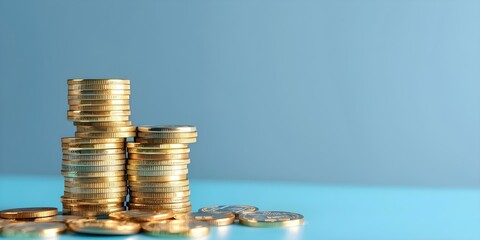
[157, 168]
[93, 163]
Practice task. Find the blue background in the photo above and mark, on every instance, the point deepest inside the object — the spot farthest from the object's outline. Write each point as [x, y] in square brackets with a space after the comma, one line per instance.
[356, 92]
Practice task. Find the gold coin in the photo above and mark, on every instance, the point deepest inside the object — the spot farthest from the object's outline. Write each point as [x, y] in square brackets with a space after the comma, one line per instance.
[67, 200]
[92, 207]
[160, 195]
[180, 205]
[92, 168]
[214, 219]
[99, 108]
[154, 146]
[105, 134]
[156, 173]
[97, 113]
[159, 151]
[73, 92]
[92, 174]
[59, 218]
[99, 118]
[99, 97]
[237, 210]
[70, 140]
[94, 162]
[155, 207]
[158, 162]
[159, 189]
[158, 156]
[16, 213]
[92, 213]
[104, 227]
[105, 129]
[157, 178]
[165, 141]
[95, 185]
[95, 195]
[91, 146]
[95, 190]
[94, 179]
[141, 216]
[99, 87]
[33, 230]
[177, 228]
[159, 200]
[94, 157]
[155, 168]
[94, 151]
[180, 183]
[104, 124]
[166, 135]
[73, 102]
[113, 81]
[271, 219]
[167, 128]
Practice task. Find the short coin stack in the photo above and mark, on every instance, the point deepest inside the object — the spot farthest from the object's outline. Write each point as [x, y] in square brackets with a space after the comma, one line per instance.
[94, 161]
[157, 168]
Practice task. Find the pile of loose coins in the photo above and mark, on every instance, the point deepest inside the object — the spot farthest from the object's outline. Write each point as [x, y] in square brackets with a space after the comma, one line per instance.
[94, 160]
[44, 222]
[157, 168]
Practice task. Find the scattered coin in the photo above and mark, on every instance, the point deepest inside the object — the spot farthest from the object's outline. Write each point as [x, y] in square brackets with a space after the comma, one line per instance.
[141, 216]
[32, 230]
[235, 209]
[177, 228]
[34, 212]
[104, 227]
[271, 219]
[213, 218]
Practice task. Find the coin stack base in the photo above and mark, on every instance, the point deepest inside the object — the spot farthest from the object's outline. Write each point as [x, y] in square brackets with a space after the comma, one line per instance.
[157, 169]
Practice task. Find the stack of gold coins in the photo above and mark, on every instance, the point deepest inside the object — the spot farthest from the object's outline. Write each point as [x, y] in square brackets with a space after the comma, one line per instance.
[157, 168]
[94, 160]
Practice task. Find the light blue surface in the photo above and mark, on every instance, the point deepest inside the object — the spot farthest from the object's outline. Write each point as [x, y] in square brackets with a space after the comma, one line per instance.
[349, 91]
[331, 212]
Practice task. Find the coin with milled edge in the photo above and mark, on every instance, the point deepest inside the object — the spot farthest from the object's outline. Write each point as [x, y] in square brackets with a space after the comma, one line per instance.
[104, 124]
[95, 195]
[98, 81]
[180, 205]
[67, 200]
[159, 151]
[159, 200]
[94, 151]
[160, 195]
[180, 183]
[72, 92]
[135, 145]
[105, 134]
[110, 102]
[99, 118]
[156, 178]
[94, 163]
[34, 212]
[155, 168]
[33, 230]
[141, 216]
[59, 218]
[92, 174]
[212, 218]
[92, 213]
[167, 135]
[158, 156]
[271, 219]
[167, 128]
[104, 227]
[155, 207]
[92, 146]
[95, 185]
[92, 140]
[95, 179]
[159, 189]
[156, 172]
[235, 209]
[105, 129]
[177, 228]
[150, 162]
[99, 87]
[95, 190]
[165, 140]
[98, 113]
[93, 157]
[99, 97]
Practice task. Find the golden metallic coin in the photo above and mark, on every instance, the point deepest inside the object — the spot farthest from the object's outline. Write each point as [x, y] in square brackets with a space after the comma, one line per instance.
[165, 141]
[180, 205]
[158, 156]
[154, 146]
[105, 134]
[104, 227]
[105, 129]
[99, 97]
[73, 92]
[95, 195]
[99, 108]
[97, 113]
[212, 218]
[92, 213]
[92, 174]
[94, 162]
[95, 185]
[110, 102]
[160, 207]
[67, 200]
[99, 119]
[16, 213]
[271, 219]
[104, 124]
[99, 87]
[141, 216]
[93, 157]
[156, 173]
[158, 162]
[159, 189]
[155, 168]
[94, 151]
[71, 140]
[59, 218]
[95, 190]
[167, 128]
[159, 151]
[94, 81]
[160, 195]
[92, 207]
[176, 228]
[163, 135]
[235, 209]
[95, 179]
[92, 168]
[92, 146]
[157, 178]
[180, 183]
[159, 200]
[33, 230]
